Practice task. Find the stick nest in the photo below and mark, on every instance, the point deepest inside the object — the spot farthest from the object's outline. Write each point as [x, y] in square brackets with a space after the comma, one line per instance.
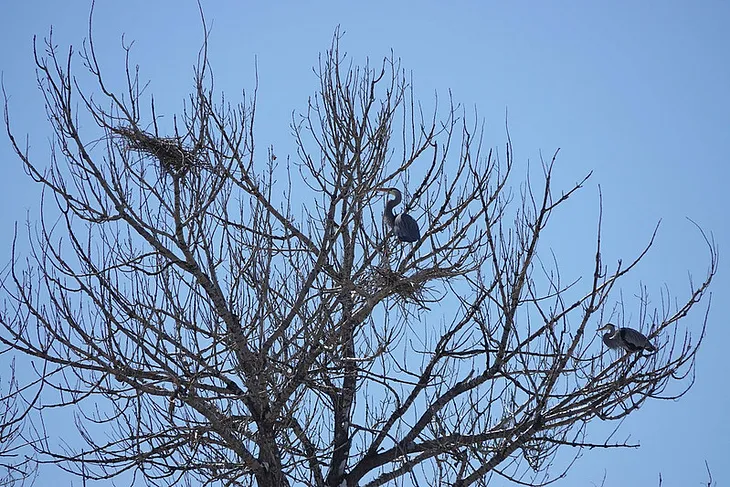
[407, 289]
[174, 157]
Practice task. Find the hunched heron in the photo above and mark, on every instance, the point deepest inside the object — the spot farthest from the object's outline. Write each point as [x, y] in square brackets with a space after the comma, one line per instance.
[625, 338]
[404, 226]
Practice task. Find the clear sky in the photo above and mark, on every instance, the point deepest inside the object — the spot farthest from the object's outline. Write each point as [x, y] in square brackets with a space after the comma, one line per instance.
[638, 92]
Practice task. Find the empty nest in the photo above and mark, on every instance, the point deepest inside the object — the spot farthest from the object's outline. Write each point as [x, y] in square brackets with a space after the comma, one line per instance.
[174, 157]
[386, 278]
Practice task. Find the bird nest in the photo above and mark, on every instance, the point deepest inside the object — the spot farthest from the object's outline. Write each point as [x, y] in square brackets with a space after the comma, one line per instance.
[174, 157]
[407, 289]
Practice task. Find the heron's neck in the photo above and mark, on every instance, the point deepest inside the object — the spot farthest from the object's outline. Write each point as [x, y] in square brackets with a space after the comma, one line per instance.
[389, 215]
[390, 205]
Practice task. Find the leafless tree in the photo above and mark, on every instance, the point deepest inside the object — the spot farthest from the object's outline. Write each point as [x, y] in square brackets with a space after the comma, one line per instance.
[219, 314]
[15, 468]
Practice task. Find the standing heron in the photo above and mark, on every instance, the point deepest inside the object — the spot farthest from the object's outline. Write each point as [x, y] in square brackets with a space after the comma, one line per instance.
[403, 225]
[625, 338]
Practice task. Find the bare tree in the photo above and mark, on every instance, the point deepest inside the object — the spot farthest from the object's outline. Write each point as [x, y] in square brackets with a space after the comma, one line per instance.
[15, 467]
[214, 313]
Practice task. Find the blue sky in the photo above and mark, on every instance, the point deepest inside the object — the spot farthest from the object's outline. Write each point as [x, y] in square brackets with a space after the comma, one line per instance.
[635, 91]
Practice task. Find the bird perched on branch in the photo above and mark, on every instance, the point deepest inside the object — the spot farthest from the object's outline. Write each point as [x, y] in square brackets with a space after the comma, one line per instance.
[403, 225]
[625, 338]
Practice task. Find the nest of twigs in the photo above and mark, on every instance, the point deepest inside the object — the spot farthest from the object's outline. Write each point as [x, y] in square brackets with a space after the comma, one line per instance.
[407, 289]
[174, 157]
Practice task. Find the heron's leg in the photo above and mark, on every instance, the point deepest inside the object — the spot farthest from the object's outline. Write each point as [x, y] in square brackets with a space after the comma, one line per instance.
[404, 251]
[385, 256]
[400, 256]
